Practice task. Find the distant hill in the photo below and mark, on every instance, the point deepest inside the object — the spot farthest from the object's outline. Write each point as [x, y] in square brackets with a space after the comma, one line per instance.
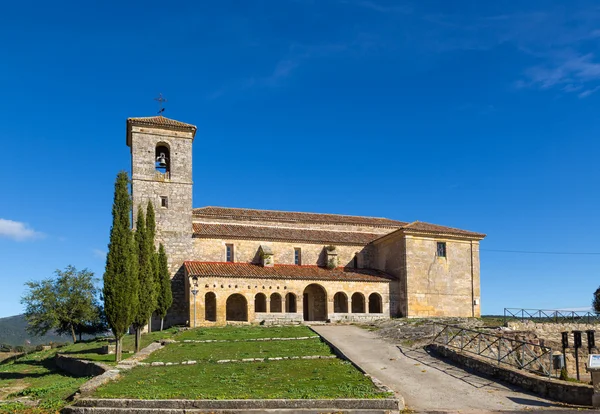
[13, 332]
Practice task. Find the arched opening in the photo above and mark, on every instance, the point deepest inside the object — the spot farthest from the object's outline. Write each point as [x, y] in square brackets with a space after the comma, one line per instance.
[290, 303]
[315, 303]
[340, 303]
[236, 308]
[162, 159]
[375, 303]
[358, 303]
[260, 302]
[275, 303]
[210, 307]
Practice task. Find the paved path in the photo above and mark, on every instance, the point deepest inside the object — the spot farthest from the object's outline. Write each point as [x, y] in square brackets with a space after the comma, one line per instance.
[428, 384]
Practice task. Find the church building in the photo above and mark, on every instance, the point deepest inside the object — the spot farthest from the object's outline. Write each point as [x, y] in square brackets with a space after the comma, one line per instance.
[266, 266]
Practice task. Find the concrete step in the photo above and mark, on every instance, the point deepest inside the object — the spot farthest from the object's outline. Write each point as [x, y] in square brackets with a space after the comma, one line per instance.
[108, 410]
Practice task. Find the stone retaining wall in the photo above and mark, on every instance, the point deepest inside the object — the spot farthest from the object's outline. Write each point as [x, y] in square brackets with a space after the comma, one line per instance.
[333, 404]
[79, 367]
[567, 392]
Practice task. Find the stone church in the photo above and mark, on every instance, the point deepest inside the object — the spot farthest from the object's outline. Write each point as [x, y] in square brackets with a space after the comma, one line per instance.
[264, 266]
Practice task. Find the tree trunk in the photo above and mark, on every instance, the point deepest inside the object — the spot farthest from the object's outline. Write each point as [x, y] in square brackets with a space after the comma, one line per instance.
[162, 321]
[138, 338]
[150, 324]
[73, 333]
[118, 347]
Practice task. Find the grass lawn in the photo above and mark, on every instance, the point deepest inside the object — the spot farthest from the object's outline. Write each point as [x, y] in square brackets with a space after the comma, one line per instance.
[36, 376]
[290, 379]
[214, 351]
[245, 332]
[90, 350]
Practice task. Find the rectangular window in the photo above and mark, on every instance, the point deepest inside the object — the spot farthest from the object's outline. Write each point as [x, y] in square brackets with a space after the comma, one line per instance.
[164, 202]
[229, 252]
[441, 249]
[297, 256]
[355, 261]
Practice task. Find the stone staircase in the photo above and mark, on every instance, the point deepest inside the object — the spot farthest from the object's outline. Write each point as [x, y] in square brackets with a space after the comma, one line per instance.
[117, 406]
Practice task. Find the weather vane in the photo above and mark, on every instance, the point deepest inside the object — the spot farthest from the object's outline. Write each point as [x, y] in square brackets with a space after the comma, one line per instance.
[160, 101]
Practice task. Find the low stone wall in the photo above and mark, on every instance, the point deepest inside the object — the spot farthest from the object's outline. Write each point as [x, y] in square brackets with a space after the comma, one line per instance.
[356, 317]
[79, 367]
[333, 404]
[550, 333]
[567, 392]
[278, 318]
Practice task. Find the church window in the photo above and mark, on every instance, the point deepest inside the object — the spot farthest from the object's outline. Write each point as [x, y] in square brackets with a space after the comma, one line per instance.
[297, 256]
[164, 202]
[355, 262]
[441, 249]
[229, 252]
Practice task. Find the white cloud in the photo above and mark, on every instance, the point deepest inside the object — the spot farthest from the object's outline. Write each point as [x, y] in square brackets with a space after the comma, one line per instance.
[18, 231]
[100, 254]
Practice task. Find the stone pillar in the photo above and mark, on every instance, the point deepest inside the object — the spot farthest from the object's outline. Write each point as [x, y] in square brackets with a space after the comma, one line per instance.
[596, 382]
[330, 307]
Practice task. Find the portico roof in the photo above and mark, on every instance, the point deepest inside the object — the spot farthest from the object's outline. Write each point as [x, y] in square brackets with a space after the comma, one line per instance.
[286, 272]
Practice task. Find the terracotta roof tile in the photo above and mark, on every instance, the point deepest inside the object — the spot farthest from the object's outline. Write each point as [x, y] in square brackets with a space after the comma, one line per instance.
[160, 121]
[234, 231]
[286, 272]
[291, 216]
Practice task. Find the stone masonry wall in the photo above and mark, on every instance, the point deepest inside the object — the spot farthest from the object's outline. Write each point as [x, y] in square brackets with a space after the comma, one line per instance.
[442, 286]
[246, 251]
[173, 223]
[550, 333]
[225, 287]
[388, 255]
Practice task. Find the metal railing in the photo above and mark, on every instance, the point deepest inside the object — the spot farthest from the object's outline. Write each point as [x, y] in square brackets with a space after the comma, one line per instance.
[524, 355]
[547, 315]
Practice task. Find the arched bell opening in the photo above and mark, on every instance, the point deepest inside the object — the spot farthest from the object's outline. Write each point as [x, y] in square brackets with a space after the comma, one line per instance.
[162, 159]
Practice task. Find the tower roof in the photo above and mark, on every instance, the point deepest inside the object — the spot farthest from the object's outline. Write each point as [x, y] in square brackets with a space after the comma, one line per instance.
[158, 121]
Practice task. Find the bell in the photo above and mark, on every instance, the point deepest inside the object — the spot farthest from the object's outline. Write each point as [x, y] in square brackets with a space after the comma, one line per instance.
[162, 160]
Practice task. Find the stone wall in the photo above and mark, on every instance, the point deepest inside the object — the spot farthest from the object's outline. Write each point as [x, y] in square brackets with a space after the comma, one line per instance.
[174, 222]
[246, 251]
[551, 334]
[79, 367]
[389, 255]
[567, 392]
[442, 286]
[223, 288]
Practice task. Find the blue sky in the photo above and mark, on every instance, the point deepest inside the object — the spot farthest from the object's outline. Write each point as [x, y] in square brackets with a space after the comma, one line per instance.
[478, 115]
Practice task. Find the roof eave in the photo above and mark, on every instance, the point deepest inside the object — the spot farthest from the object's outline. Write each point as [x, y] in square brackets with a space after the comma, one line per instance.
[409, 232]
[140, 122]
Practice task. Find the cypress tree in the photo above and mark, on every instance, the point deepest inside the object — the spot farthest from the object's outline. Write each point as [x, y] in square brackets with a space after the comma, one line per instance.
[120, 276]
[151, 234]
[146, 301]
[165, 297]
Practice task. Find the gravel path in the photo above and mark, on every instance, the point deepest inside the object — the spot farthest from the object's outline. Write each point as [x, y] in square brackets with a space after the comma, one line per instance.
[428, 384]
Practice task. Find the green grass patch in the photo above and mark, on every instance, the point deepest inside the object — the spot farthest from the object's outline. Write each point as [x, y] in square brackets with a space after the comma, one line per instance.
[91, 350]
[36, 376]
[290, 379]
[214, 351]
[244, 332]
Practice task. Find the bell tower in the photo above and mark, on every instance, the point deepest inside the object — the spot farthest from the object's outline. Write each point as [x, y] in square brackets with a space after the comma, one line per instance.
[161, 171]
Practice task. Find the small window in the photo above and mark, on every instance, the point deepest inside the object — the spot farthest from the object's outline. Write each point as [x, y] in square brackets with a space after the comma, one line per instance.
[164, 202]
[297, 256]
[441, 249]
[355, 261]
[229, 252]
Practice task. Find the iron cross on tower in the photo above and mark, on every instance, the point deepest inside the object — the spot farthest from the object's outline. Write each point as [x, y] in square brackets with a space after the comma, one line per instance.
[160, 101]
